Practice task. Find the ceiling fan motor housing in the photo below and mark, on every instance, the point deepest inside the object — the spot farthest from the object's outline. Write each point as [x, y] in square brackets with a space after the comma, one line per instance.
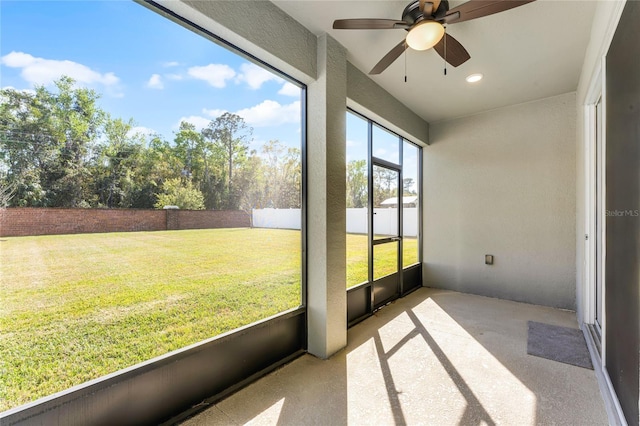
[412, 14]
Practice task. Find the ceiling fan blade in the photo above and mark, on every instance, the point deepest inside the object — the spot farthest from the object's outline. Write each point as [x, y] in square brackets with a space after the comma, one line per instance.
[429, 7]
[478, 8]
[368, 24]
[456, 53]
[389, 58]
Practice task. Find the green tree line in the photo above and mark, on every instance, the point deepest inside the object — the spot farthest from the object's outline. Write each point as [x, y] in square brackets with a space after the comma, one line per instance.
[59, 148]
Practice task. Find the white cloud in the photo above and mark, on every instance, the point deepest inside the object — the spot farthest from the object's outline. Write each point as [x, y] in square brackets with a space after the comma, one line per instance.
[256, 76]
[28, 91]
[170, 64]
[289, 89]
[155, 82]
[214, 74]
[266, 114]
[271, 113]
[46, 71]
[214, 113]
[198, 121]
[142, 131]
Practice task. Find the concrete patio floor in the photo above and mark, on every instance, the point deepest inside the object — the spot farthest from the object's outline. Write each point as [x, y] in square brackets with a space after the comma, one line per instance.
[434, 357]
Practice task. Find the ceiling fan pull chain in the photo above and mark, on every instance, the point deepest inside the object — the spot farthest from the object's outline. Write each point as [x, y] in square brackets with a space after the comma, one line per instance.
[405, 65]
[445, 50]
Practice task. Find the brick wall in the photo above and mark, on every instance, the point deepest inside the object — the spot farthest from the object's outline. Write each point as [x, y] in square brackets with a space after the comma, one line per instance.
[16, 222]
[206, 219]
[171, 220]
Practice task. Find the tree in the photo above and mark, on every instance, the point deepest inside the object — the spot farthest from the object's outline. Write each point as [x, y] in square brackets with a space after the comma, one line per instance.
[58, 148]
[408, 187]
[200, 163]
[181, 193]
[6, 193]
[292, 179]
[158, 164]
[251, 179]
[282, 175]
[357, 184]
[229, 137]
[188, 148]
[117, 175]
[48, 138]
[75, 123]
[27, 147]
[385, 185]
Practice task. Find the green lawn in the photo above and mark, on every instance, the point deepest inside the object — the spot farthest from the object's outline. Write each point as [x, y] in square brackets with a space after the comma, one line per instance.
[385, 258]
[77, 307]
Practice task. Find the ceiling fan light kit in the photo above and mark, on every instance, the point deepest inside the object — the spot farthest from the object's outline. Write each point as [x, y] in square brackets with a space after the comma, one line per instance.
[424, 19]
[425, 35]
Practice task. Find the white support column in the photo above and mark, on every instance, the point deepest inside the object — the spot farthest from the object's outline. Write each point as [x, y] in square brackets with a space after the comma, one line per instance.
[326, 205]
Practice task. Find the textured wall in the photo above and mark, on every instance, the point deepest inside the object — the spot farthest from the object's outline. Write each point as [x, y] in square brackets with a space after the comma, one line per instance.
[371, 100]
[326, 202]
[258, 27]
[503, 183]
[18, 222]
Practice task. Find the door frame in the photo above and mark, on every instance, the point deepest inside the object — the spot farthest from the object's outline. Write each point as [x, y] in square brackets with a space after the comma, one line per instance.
[594, 242]
[360, 297]
[387, 281]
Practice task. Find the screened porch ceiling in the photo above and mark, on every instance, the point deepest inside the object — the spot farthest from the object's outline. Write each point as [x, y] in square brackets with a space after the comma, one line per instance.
[527, 53]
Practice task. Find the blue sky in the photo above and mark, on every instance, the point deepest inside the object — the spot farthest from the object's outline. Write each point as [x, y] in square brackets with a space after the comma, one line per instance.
[145, 66]
[153, 70]
[385, 146]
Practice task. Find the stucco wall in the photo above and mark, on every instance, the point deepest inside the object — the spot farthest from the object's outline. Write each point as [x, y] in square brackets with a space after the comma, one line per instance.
[275, 38]
[503, 183]
[371, 100]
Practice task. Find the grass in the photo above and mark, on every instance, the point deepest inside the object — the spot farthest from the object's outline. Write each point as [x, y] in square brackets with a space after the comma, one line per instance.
[384, 258]
[77, 307]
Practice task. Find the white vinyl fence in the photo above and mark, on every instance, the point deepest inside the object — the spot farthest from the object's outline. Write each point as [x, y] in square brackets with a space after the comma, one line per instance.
[384, 220]
[277, 218]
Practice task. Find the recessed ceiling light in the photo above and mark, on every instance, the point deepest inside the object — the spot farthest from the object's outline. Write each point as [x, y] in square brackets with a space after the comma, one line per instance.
[474, 78]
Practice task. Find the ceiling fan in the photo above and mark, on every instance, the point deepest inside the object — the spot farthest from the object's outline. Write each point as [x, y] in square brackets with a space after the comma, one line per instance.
[424, 20]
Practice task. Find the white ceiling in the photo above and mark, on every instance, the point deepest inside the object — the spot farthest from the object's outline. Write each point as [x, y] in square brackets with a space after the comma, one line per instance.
[527, 53]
